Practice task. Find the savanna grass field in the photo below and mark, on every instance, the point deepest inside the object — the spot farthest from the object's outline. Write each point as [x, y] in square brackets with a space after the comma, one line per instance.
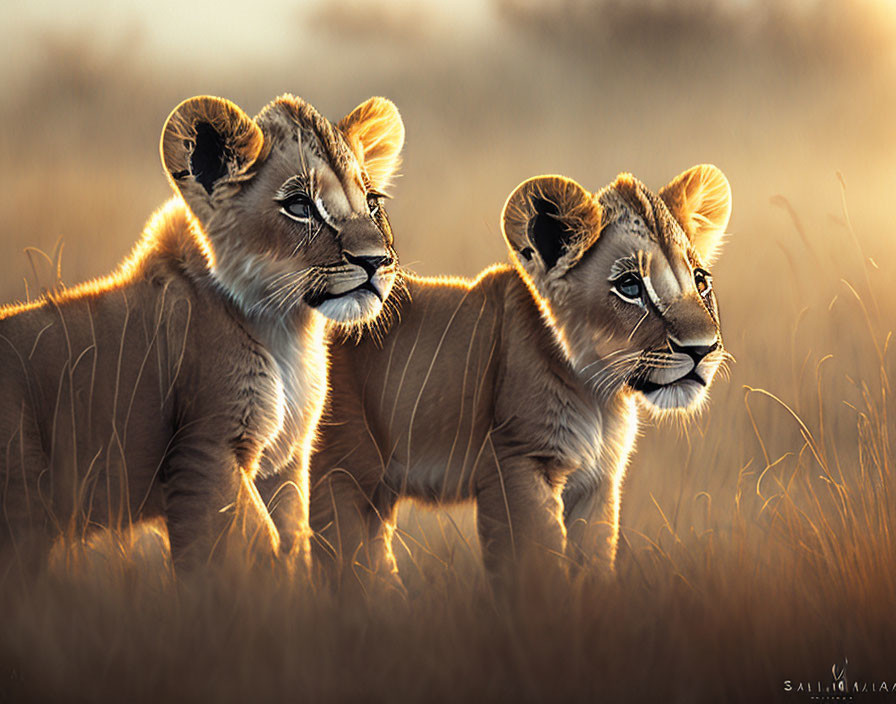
[758, 543]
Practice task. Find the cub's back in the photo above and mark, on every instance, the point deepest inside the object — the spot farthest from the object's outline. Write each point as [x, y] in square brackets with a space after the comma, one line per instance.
[417, 397]
[89, 379]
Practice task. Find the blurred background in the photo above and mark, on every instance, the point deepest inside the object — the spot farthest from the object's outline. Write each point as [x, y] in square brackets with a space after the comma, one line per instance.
[757, 539]
[782, 95]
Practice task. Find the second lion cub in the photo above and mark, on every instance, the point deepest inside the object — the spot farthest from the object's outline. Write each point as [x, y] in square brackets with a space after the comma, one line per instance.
[521, 390]
[168, 386]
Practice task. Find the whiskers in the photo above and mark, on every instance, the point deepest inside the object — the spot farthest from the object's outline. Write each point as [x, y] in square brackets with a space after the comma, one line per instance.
[378, 326]
[612, 372]
[285, 291]
[606, 375]
[724, 359]
[659, 360]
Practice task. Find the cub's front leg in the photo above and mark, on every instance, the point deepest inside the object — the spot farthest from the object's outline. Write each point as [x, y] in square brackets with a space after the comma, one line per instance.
[591, 513]
[285, 494]
[206, 491]
[519, 519]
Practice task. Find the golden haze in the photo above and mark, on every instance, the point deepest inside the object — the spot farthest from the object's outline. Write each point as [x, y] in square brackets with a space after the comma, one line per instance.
[757, 541]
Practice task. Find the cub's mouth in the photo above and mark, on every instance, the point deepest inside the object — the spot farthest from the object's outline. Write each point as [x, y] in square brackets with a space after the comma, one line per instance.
[354, 292]
[316, 298]
[645, 386]
[674, 382]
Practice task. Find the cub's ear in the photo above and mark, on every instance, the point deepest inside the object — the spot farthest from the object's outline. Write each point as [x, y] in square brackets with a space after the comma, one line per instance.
[376, 134]
[700, 200]
[549, 222]
[207, 146]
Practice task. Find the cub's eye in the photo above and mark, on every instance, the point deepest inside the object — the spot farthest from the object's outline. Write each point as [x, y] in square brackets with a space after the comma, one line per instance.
[299, 207]
[703, 282]
[629, 288]
[373, 204]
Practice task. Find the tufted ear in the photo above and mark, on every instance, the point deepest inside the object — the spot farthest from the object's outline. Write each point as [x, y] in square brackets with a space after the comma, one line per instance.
[208, 144]
[700, 200]
[376, 133]
[549, 222]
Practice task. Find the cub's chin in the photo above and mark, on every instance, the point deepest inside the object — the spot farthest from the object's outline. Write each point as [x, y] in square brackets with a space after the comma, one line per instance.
[687, 393]
[683, 395]
[353, 307]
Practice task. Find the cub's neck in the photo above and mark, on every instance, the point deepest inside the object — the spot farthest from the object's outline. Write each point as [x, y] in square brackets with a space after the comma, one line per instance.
[558, 343]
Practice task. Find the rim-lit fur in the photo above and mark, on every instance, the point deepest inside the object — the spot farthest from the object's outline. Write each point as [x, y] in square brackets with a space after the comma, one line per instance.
[516, 389]
[662, 238]
[168, 386]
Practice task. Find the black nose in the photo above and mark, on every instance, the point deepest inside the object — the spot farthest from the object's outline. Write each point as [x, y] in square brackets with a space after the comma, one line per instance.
[369, 264]
[695, 352]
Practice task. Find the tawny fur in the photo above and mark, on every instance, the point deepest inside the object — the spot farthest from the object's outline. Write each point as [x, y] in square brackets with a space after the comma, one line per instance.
[167, 387]
[515, 390]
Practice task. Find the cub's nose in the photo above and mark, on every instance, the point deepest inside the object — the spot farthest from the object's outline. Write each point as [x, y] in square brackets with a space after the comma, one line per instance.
[695, 352]
[369, 263]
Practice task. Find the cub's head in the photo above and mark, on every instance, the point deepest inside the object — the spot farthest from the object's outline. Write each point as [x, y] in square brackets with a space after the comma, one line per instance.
[624, 275]
[291, 204]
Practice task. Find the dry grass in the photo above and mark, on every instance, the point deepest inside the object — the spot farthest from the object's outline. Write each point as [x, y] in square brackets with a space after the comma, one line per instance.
[759, 542]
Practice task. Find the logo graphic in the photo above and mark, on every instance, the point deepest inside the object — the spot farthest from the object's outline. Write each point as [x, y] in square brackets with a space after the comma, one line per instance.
[840, 689]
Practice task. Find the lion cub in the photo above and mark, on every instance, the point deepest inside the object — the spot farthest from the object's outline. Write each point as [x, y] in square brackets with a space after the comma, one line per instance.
[168, 386]
[521, 390]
